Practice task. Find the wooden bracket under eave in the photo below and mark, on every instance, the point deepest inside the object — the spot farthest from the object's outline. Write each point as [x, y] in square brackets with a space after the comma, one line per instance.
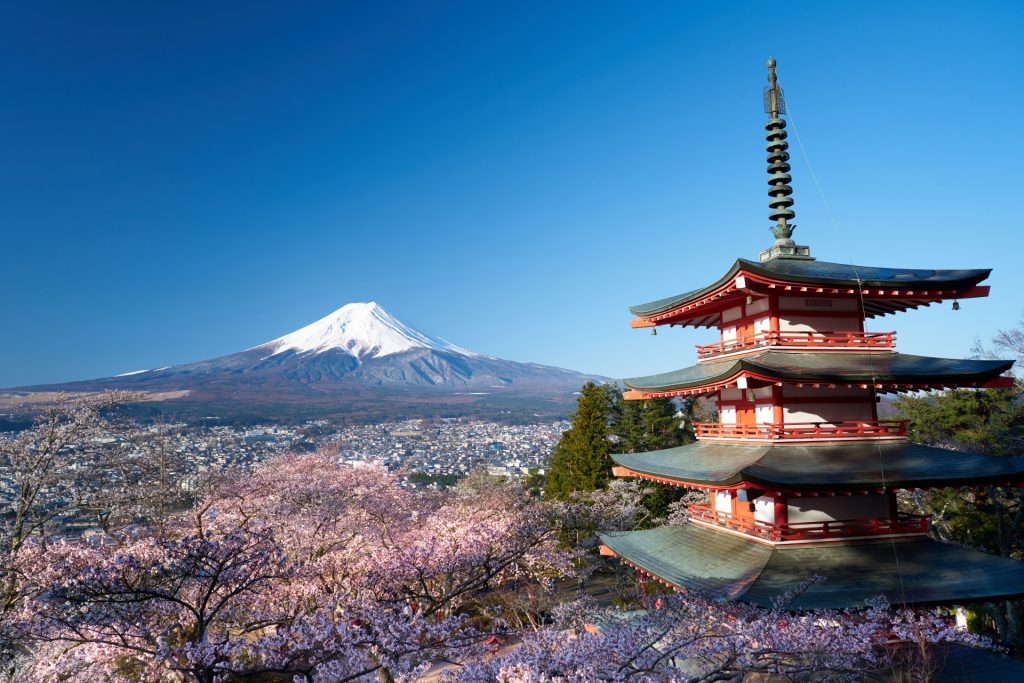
[638, 323]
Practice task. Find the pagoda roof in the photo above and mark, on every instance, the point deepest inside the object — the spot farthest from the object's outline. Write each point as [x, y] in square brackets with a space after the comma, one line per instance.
[918, 571]
[837, 466]
[841, 368]
[835, 275]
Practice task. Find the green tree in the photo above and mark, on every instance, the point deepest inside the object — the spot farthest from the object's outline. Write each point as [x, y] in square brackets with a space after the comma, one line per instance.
[629, 427]
[650, 425]
[986, 421]
[580, 461]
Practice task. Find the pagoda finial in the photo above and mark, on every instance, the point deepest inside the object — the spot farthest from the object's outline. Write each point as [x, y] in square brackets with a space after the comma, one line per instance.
[779, 179]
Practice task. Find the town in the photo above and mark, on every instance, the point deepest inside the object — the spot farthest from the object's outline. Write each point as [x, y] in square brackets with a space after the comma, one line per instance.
[432, 453]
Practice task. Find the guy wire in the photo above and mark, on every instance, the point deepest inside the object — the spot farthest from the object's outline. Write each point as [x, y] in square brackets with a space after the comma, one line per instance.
[863, 314]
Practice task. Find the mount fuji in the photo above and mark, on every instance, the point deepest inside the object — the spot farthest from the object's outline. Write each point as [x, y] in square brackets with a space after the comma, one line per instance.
[359, 363]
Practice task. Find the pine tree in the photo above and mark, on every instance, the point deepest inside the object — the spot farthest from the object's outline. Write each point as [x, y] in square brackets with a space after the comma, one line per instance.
[659, 424]
[580, 461]
[629, 428]
[650, 425]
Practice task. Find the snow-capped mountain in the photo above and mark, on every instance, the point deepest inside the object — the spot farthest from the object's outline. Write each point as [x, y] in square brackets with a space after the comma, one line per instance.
[360, 361]
[365, 330]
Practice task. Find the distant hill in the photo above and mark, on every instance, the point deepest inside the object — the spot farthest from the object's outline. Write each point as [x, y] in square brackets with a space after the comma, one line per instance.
[359, 363]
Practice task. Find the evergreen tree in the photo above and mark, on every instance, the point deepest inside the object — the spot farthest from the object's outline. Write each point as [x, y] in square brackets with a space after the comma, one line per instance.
[629, 428]
[580, 461]
[659, 424]
[986, 421]
[649, 425]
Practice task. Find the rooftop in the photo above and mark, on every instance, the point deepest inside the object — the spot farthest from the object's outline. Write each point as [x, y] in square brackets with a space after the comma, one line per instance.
[915, 285]
[878, 368]
[916, 571]
[841, 466]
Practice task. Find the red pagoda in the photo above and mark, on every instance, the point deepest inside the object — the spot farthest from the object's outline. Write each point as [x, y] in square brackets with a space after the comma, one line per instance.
[802, 474]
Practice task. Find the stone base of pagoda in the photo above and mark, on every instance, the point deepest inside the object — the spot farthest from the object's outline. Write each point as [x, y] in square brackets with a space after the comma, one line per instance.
[912, 572]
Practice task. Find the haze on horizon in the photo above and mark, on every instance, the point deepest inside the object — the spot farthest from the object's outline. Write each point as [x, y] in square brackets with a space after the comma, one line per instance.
[185, 181]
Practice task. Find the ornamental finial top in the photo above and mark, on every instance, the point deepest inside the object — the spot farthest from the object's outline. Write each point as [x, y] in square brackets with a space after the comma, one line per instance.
[779, 189]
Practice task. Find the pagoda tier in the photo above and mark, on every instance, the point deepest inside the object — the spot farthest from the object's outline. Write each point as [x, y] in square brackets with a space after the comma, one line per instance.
[884, 371]
[807, 494]
[802, 475]
[832, 469]
[914, 571]
[882, 290]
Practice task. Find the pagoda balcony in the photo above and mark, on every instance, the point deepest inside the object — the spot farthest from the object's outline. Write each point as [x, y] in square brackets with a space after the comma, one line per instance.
[815, 341]
[802, 431]
[804, 532]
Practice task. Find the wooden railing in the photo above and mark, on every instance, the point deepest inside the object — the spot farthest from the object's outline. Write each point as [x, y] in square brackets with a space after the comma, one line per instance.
[904, 523]
[861, 429]
[820, 341]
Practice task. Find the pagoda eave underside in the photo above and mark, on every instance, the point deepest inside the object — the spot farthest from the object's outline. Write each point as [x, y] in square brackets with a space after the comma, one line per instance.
[904, 290]
[883, 371]
[919, 572]
[819, 469]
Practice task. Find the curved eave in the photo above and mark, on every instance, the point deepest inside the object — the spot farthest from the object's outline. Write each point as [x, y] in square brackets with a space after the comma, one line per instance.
[885, 290]
[894, 369]
[917, 572]
[835, 467]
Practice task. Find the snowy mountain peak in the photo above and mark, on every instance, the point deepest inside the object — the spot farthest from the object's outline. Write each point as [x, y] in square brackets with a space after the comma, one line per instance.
[365, 330]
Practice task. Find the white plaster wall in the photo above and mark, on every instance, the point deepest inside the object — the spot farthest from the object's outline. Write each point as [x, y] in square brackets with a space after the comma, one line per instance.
[764, 510]
[827, 412]
[732, 394]
[723, 501]
[794, 322]
[732, 314]
[757, 306]
[840, 507]
[727, 415]
[765, 414]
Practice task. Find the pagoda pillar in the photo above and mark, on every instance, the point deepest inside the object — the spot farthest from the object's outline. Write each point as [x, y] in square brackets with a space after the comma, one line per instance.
[773, 316]
[778, 410]
[781, 511]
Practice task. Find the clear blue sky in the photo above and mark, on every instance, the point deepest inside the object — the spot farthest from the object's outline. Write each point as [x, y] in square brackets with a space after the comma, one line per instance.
[184, 180]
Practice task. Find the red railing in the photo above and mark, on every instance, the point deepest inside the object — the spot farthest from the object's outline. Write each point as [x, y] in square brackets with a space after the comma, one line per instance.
[820, 341]
[803, 430]
[803, 531]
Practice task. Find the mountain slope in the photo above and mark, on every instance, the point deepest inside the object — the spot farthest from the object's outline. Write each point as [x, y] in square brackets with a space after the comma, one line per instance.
[360, 361]
[363, 330]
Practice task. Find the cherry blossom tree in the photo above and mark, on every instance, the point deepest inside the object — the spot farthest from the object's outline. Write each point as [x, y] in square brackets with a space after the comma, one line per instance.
[52, 470]
[306, 569]
[313, 571]
[690, 638]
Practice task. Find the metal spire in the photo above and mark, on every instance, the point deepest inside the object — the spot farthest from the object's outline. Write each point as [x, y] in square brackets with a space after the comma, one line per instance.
[779, 179]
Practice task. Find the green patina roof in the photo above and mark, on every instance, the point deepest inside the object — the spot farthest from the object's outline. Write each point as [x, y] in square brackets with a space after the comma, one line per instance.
[829, 367]
[904, 571]
[825, 273]
[838, 466]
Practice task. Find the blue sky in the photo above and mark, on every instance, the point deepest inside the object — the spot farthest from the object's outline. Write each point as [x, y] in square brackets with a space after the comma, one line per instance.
[184, 180]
